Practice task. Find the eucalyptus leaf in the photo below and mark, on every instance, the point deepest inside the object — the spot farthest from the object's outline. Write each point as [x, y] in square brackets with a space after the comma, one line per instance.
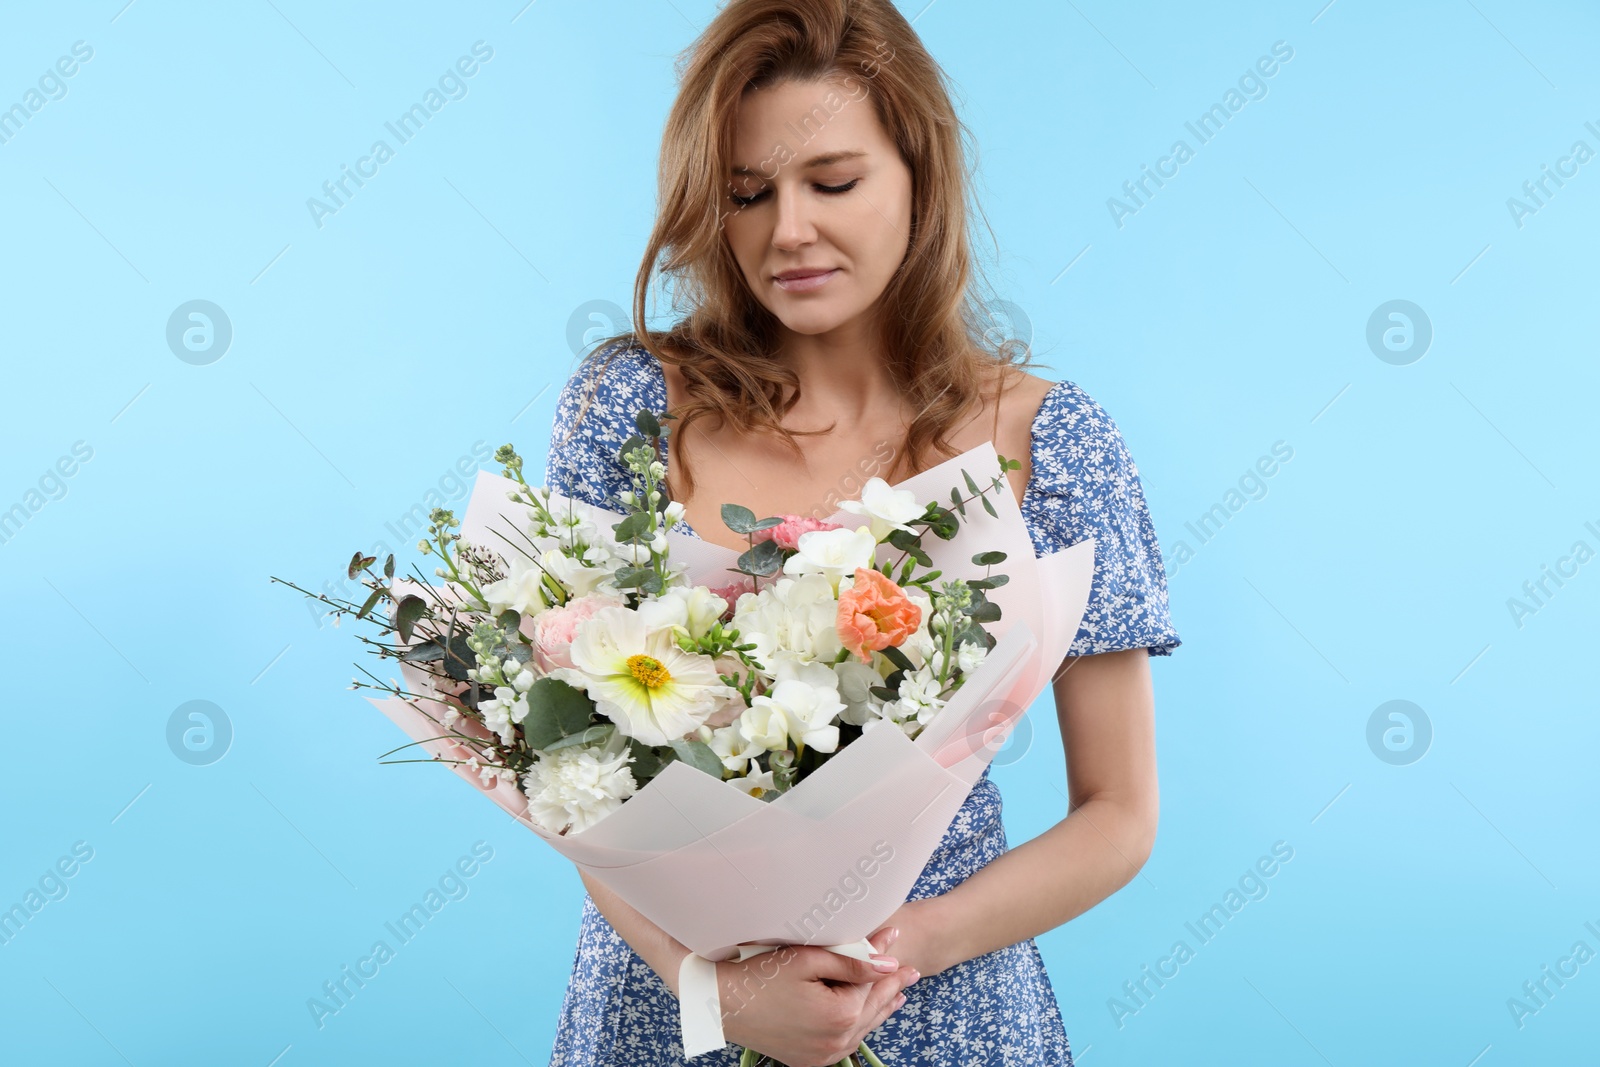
[764, 559]
[988, 506]
[410, 610]
[698, 755]
[594, 735]
[738, 518]
[555, 709]
[647, 424]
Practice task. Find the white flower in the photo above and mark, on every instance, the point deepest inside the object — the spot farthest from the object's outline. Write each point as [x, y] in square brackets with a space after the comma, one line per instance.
[764, 725]
[755, 784]
[574, 788]
[733, 748]
[833, 553]
[888, 509]
[639, 678]
[508, 707]
[691, 608]
[806, 711]
[794, 615]
[969, 655]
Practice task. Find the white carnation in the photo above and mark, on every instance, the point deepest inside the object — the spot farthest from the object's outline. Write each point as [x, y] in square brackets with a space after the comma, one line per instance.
[571, 789]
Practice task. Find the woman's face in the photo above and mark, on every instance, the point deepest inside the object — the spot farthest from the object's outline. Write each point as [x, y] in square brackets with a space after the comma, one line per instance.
[817, 185]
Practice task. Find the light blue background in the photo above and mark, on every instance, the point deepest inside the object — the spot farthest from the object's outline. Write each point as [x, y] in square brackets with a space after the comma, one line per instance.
[432, 312]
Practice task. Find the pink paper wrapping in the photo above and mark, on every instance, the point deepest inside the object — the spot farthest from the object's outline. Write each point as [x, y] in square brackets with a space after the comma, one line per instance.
[796, 869]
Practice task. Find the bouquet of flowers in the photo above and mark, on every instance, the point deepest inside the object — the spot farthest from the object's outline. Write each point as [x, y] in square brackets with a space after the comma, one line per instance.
[665, 711]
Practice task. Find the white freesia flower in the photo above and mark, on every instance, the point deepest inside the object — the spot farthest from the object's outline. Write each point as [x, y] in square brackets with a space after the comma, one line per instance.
[694, 608]
[832, 553]
[887, 509]
[763, 724]
[571, 789]
[639, 678]
[733, 748]
[807, 713]
[756, 784]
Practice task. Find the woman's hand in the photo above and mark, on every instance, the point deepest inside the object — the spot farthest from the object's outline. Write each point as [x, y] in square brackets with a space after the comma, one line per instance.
[808, 1007]
[922, 943]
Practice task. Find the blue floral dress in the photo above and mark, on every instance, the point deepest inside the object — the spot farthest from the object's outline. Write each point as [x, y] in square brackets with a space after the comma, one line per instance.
[994, 1008]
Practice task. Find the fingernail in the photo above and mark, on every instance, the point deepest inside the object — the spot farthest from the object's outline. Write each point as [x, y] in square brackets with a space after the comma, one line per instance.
[886, 963]
[900, 1000]
[915, 974]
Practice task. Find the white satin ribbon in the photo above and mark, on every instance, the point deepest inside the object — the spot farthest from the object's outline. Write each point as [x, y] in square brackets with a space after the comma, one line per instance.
[700, 997]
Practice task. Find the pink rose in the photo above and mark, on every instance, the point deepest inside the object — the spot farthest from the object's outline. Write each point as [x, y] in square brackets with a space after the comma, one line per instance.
[787, 534]
[551, 631]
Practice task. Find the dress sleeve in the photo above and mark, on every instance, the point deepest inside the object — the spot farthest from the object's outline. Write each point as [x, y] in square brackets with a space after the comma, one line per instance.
[1089, 486]
[594, 415]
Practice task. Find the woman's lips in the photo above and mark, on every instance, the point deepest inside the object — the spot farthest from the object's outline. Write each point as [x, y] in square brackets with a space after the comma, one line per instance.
[806, 283]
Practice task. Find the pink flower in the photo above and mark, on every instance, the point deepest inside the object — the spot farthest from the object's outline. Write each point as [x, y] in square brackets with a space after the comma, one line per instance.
[787, 534]
[733, 591]
[551, 631]
[874, 613]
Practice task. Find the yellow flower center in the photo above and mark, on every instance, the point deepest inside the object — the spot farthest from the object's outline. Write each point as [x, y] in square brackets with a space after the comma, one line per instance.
[649, 671]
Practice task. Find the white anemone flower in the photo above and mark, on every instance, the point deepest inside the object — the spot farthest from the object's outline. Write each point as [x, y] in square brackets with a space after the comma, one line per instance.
[887, 509]
[640, 679]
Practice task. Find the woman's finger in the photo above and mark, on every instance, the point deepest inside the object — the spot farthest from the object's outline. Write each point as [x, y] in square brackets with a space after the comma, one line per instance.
[820, 963]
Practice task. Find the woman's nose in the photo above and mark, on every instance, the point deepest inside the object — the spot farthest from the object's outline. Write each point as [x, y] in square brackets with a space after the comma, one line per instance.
[793, 227]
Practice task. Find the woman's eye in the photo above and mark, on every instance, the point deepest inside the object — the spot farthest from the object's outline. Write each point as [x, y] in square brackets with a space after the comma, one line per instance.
[746, 201]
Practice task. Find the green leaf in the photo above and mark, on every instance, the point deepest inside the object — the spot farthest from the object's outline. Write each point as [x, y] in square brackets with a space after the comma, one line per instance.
[411, 609]
[764, 559]
[509, 620]
[738, 518]
[698, 755]
[955, 498]
[884, 693]
[766, 524]
[633, 526]
[894, 655]
[985, 611]
[994, 581]
[989, 559]
[972, 486]
[647, 424]
[632, 577]
[987, 506]
[944, 524]
[388, 566]
[555, 709]
[647, 762]
[592, 736]
[371, 601]
[355, 565]
[457, 661]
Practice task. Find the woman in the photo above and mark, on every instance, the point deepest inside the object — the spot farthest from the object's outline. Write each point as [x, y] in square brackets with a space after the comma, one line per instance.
[812, 211]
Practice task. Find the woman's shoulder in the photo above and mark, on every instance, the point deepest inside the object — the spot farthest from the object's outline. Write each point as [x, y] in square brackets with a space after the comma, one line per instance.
[1075, 441]
[615, 380]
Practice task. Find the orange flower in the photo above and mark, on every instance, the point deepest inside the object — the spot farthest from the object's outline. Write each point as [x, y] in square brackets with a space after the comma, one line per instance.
[874, 613]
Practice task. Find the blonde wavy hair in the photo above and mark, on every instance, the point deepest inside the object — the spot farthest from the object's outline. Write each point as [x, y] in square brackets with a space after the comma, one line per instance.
[725, 344]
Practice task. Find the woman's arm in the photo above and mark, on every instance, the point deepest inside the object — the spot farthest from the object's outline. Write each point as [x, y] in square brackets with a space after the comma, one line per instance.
[1107, 712]
[663, 952]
